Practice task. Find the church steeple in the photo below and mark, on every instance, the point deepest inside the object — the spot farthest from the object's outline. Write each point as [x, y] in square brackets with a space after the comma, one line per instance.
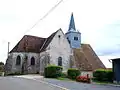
[73, 35]
[72, 23]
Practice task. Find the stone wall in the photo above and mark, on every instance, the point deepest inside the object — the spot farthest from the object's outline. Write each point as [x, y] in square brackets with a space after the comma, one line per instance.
[44, 61]
[84, 73]
[18, 68]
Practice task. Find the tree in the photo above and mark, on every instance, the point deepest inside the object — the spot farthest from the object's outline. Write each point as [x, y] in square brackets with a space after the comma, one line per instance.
[1, 63]
[1, 66]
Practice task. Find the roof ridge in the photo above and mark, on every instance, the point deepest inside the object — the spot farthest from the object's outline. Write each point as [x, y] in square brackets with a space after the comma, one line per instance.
[33, 36]
[48, 40]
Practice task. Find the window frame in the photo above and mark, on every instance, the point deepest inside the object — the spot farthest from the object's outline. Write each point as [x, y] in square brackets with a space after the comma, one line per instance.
[59, 61]
[76, 38]
[18, 60]
[32, 62]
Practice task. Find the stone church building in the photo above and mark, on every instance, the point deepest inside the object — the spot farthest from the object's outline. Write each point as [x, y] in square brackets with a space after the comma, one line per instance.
[32, 54]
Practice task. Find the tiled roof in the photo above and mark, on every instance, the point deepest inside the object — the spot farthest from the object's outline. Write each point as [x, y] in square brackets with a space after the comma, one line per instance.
[86, 58]
[29, 44]
[47, 41]
[33, 44]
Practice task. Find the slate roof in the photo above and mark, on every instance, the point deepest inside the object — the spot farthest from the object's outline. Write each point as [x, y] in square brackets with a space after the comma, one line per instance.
[33, 44]
[86, 58]
[47, 41]
[72, 23]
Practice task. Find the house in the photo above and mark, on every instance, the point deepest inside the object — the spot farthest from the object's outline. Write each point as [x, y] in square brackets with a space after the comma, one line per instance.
[32, 54]
[116, 69]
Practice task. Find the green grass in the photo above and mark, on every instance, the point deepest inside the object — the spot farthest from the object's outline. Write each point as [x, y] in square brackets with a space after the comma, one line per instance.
[100, 82]
[104, 83]
[65, 79]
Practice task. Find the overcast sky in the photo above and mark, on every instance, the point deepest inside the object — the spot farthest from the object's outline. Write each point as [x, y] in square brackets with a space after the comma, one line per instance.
[97, 20]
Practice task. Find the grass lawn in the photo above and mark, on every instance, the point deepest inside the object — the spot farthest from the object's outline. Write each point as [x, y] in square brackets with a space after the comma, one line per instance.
[104, 83]
[65, 79]
[100, 82]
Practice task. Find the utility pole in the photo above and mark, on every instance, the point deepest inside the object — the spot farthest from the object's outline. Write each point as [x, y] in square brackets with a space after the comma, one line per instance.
[8, 48]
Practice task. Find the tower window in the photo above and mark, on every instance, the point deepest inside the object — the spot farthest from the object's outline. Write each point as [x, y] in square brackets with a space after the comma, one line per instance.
[76, 38]
[59, 61]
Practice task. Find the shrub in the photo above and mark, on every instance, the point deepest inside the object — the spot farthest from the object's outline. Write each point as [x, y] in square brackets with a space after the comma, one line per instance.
[14, 73]
[53, 71]
[83, 79]
[103, 75]
[63, 75]
[73, 73]
[0, 73]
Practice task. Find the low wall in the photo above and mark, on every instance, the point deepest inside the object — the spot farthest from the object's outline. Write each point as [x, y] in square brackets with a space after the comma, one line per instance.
[84, 73]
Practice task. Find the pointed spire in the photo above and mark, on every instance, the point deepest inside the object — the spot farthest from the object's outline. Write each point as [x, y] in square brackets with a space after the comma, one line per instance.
[72, 23]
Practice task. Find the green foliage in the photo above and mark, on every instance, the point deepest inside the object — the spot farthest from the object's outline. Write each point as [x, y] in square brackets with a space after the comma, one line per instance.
[1, 66]
[0, 73]
[53, 71]
[1, 63]
[73, 73]
[14, 73]
[103, 75]
[64, 79]
[63, 75]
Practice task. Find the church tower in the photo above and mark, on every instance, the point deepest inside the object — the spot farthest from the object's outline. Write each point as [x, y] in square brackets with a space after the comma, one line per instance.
[73, 36]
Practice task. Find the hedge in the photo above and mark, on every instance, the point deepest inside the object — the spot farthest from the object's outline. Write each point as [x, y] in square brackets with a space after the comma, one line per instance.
[14, 73]
[0, 73]
[103, 75]
[53, 71]
[73, 73]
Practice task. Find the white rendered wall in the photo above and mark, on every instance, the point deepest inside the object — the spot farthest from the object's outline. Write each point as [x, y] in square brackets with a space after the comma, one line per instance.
[59, 47]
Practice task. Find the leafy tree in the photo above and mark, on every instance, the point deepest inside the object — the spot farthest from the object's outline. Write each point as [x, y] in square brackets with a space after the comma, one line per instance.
[1, 66]
[1, 63]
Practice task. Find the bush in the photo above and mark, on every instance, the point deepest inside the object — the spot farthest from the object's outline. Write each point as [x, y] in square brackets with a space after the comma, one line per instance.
[103, 75]
[83, 79]
[63, 75]
[1, 68]
[14, 73]
[73, 73]
[0, 73]
[53, 71]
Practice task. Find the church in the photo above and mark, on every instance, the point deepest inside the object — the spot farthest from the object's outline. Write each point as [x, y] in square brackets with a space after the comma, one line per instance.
[32, 54]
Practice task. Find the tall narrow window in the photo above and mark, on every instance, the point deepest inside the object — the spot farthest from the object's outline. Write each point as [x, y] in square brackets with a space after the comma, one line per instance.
[32, 61]
[58, 36]
[59, 61]
[76, 38]
[18, 60]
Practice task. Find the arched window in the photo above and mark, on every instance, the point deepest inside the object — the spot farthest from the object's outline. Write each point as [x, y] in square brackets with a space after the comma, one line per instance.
[18, 60]
[59, 61]
[32, 61]
[58, 36]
